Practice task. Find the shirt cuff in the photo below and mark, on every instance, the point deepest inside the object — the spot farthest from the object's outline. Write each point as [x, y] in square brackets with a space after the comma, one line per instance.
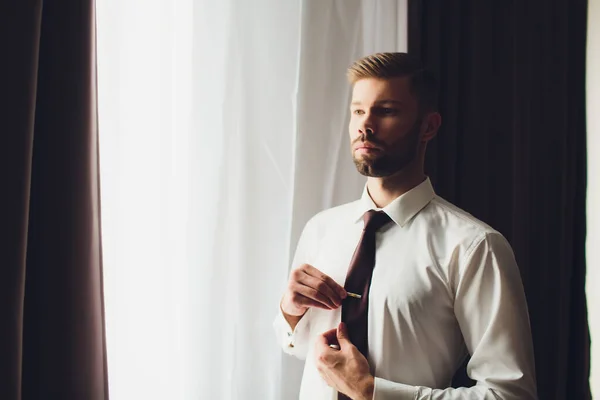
[293, 342]
[388, 390]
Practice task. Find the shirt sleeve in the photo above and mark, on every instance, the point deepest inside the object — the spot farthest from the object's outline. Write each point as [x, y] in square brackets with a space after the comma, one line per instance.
[491, 310]
[296, 342]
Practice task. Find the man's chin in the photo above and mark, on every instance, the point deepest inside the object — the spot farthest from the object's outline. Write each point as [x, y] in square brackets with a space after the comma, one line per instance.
[368, 170]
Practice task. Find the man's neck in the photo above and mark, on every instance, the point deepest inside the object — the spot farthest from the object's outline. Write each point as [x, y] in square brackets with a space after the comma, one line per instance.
[385, 190]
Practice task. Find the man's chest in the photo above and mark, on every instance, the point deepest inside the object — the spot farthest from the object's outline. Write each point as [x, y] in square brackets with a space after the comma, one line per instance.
[408, 273]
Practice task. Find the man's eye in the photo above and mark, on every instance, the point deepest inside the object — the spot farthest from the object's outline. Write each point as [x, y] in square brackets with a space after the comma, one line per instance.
[388, 111]
[359, 112]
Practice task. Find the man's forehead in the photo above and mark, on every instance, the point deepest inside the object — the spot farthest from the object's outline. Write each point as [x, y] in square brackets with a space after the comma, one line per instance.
[358, 102]
[380, 91]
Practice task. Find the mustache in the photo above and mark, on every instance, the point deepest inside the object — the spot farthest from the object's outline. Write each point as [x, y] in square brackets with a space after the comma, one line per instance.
[364, 140]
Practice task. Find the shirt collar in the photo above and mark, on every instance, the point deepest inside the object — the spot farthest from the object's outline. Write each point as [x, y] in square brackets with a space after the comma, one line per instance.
[402, 208]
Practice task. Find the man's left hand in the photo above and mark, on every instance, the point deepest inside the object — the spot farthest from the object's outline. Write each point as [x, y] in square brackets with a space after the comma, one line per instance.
[346, 370]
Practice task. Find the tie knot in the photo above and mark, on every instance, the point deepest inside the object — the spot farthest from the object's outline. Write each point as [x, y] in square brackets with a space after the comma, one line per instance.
[375, 220]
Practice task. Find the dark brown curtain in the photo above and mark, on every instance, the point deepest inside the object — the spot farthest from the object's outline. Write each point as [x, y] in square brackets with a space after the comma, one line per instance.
[512, 151]
[52, 343]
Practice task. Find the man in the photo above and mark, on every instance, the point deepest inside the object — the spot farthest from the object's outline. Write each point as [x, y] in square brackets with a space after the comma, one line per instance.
[440, 284]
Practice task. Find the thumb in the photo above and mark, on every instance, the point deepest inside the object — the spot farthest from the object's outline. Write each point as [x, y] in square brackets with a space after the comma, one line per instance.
[342, 333]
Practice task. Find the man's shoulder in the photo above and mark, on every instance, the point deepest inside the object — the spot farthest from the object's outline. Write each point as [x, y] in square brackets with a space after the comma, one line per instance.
[460, 235]
[335, 215]
[458, 220]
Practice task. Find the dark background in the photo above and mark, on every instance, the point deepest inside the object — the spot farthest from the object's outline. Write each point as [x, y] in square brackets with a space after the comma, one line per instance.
[512, 151]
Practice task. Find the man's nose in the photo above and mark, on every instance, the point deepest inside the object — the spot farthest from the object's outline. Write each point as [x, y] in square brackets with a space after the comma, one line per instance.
[366, 130]
[367, 125]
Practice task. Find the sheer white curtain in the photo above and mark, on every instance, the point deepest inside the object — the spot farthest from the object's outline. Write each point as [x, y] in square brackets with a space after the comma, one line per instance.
[222, 130]
[593, 189]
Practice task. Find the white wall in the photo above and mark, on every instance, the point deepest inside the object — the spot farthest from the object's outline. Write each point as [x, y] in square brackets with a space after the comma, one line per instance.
[593, 195]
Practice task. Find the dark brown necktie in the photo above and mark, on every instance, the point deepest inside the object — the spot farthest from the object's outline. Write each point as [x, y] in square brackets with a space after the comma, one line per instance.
[358, 280]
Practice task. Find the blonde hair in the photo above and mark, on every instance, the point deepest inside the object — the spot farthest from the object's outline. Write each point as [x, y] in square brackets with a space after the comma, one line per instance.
[395, 65]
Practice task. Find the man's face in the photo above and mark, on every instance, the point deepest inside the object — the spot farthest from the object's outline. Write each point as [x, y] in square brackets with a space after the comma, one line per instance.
[384, 126]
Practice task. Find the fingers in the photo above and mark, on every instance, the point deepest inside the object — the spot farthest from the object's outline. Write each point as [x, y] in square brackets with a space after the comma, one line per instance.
[339, 290]
[324, 353]
[330, 336]
[323, 283]
[330, 339]
[337, 336]
[324, 338]
[327, 338]
[342, 335]
[309, 287]
[318, 290]
[302, 296]
[342, 332]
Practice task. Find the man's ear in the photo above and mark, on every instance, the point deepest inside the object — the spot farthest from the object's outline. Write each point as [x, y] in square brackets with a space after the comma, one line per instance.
[430, 125]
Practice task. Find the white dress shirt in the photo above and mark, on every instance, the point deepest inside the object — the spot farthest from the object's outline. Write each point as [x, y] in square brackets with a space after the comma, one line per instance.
[445, 285]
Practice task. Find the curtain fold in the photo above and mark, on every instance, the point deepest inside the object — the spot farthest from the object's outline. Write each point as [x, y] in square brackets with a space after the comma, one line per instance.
[19, 81]
[51, 313]
[512, 150]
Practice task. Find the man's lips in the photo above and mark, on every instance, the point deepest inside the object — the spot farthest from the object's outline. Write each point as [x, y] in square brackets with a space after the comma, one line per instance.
[366, 147]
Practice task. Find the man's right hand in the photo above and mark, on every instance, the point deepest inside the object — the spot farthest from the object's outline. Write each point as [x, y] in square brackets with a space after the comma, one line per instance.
[309, 287]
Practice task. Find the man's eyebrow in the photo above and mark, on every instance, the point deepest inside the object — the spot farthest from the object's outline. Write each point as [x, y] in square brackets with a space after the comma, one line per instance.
[379, 102]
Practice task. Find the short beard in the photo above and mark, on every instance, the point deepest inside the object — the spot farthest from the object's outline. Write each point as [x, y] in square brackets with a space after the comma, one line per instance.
[389, 164]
